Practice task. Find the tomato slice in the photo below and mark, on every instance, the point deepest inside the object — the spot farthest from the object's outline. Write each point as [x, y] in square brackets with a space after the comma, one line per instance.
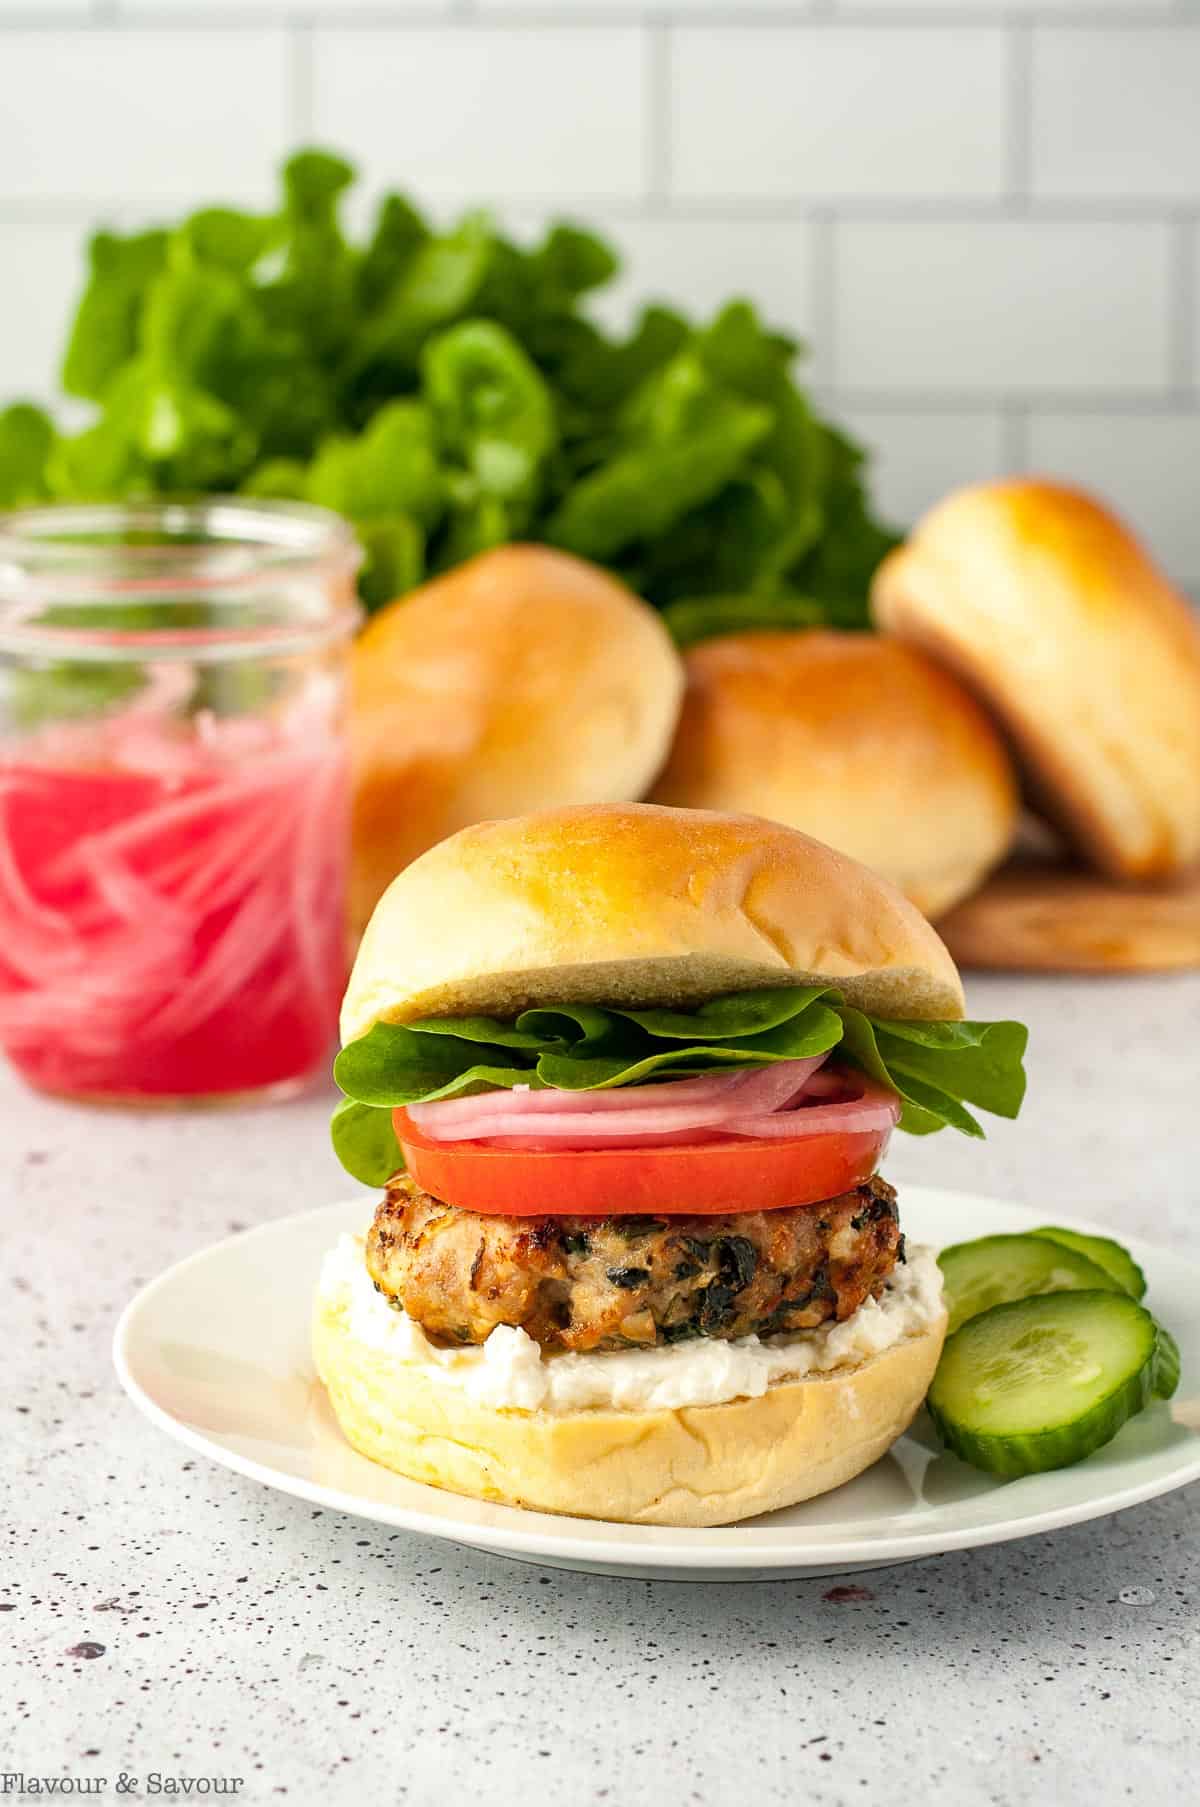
[735, 1173]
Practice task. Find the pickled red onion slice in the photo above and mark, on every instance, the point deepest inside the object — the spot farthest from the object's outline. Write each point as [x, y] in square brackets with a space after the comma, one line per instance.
[875, 1107]
[170, 916]
[871, 1110]
[716, 1094]
[678, 1111]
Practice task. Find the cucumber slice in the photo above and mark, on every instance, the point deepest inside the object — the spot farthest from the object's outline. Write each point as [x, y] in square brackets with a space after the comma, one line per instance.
[1043, 1382]
[1166, 1364]
[994, 1270]
[1106, 1253]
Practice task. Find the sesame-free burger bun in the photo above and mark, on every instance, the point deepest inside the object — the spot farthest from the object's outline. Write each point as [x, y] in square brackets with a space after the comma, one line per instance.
[639, 905]
[522, 678]
[857, 739]
[1048, 608]
[1034, 915]
[695, 1465]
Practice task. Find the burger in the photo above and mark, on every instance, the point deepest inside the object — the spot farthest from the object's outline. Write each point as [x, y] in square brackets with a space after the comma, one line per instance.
[626, 1074]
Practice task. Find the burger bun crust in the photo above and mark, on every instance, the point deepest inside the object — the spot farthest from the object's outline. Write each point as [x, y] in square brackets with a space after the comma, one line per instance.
[522, 678]
[858, 740]
[1048, 609]
[636, 905]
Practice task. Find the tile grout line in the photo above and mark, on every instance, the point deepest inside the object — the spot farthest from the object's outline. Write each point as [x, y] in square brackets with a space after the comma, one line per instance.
[723, 210]
[1019, 150]
[1079, 404]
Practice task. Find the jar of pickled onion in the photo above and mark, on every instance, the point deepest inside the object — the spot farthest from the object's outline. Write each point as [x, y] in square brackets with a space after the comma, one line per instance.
[173, 796]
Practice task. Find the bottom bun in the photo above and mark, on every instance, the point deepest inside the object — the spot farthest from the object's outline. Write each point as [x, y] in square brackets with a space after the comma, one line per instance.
[1035, 916]
[693, 1465]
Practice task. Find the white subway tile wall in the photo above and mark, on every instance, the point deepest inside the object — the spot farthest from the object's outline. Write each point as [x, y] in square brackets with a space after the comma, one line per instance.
[1021, 307]
[43, 271]
[819, 113]
[920, 455]
[981, 215]
[769, 262]
[103, 117]
[489, 114]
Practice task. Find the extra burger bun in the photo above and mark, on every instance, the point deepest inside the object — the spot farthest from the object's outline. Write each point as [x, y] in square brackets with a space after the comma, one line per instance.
[858, 740]
[698, 1465]
[632, 904]
[522, 678]
[1035, 916]
[1050, 610]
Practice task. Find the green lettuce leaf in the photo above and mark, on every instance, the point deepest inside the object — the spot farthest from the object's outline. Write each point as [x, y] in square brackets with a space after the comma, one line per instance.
[365, 1142]
[26, 440]
[937, 1068]
[494, 411]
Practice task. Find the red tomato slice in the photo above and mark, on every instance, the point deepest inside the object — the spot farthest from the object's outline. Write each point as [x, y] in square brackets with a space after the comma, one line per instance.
[737, 1173]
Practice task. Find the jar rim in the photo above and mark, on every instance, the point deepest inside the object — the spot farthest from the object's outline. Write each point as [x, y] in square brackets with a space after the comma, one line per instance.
[90, 553]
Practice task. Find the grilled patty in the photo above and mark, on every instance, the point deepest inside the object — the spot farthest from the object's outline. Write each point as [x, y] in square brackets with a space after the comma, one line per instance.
[619, 1282]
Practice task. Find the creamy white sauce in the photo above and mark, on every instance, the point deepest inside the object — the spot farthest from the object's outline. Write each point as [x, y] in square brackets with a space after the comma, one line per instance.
[511, 1371]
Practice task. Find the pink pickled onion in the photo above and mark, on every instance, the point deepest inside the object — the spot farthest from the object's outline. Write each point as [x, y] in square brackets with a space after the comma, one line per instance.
[619, 1116]
[766, 1101]
[687, 1102]
[529, 1101]
[871, 1107]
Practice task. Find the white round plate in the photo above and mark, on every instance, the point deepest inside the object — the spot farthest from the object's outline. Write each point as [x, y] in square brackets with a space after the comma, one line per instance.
[216, 1352]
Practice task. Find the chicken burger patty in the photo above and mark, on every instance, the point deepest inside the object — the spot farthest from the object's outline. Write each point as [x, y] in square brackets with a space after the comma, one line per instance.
[586, 1283]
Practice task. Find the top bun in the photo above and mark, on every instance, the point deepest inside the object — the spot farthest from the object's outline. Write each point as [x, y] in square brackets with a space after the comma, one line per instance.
[1045, 604]
[520, 679]
[858, 740]
[638, 905]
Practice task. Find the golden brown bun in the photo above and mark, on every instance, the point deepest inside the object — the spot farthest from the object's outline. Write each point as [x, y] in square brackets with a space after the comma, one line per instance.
[1049, 609]
[1035, 916]
[628, 904]
[523, 678]
[695, 1465]
[856, 739]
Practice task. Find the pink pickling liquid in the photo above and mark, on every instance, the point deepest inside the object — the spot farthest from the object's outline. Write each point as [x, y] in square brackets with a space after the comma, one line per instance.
[171, 905]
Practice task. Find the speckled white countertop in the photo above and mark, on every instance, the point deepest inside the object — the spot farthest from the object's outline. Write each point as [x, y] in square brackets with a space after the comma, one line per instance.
[162, 1616]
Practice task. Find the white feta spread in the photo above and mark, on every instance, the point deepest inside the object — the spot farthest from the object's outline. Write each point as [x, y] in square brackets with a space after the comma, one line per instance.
[511, 1371]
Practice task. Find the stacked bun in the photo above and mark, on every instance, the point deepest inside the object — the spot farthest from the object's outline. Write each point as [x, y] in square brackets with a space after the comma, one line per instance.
[1023, 630]
[1048, 609]
[856, 739]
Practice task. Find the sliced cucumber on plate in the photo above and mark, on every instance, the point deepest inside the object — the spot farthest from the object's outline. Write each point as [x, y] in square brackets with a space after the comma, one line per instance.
[1042, 1382]
[1106, 1253]
[995, 1270]
[1049, 1350]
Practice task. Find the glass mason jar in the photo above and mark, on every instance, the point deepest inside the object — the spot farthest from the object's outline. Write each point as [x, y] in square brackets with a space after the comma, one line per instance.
[173, 796]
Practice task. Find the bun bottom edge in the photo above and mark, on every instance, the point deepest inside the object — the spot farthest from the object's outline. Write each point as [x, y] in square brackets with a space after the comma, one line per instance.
[685, 1466]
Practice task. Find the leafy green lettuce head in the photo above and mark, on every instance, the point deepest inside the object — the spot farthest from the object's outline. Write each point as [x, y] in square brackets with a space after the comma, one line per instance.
[450, 389]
